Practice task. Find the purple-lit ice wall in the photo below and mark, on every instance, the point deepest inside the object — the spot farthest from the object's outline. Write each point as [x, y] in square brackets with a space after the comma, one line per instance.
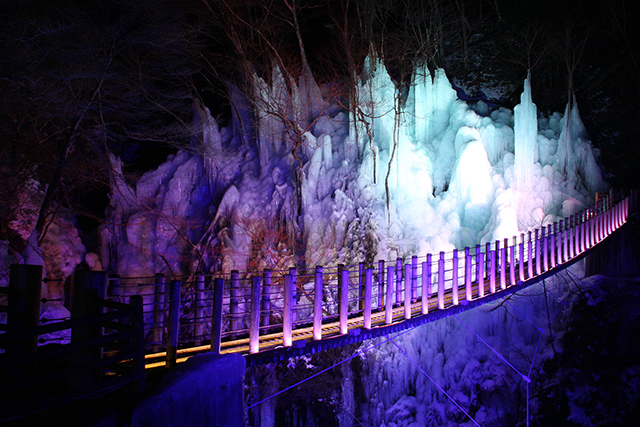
[394, 175]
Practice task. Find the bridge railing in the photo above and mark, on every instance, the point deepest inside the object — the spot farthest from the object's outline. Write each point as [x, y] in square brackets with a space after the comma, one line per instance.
[276, 308]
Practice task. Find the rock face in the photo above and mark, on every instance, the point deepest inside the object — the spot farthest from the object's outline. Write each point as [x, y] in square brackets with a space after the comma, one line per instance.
[206, 390]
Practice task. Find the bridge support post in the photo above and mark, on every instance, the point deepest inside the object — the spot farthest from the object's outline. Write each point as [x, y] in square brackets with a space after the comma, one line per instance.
[426, 284]
[407, 291]
[454, 278]
[343, 286]
[388, 303]
[254, 319]
[287, 315]
[368, 291]
[266, 297]
[216, 315]
[317, 303]
[441, 281]
[173, 325]
[467, 275]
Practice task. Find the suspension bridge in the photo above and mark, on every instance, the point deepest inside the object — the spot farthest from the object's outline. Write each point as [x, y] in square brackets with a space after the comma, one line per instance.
[274, 315]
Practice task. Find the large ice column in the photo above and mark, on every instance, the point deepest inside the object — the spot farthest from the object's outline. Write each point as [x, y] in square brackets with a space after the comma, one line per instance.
[428, 104]
[575, 156]
[272, 103]
[526, 132]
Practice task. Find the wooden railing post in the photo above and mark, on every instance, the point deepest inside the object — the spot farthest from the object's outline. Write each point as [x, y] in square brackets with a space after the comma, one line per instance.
[266, 297]
[159, 309]
[529, 256]
[478, 266]
[553, 250]
[398, 280]
[441, 281]
[545, 248]
[454, 278]
[583, 235]
[137, 321]
[381, 272]
[198, 318]
[480, 270]
[23, 311]
[173, 325]
[287, 314]
[492, 271]
[388, 303]
[503, 264]
[368, 291]
[113, 289]
[361, 292]
[487, 251]
[512, 261]
[233, 301]
[426, 284]
[521, 258]
[343, 286]
[564, 247]
[317, 303]
[407, 291]
[538, 258]
[294, 297]
[216, 316]
[254, 313]
[414, 277]
[570, 226]
[467, 275]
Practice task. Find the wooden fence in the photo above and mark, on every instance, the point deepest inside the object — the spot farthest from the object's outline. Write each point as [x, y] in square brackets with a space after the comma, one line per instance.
[106, 349]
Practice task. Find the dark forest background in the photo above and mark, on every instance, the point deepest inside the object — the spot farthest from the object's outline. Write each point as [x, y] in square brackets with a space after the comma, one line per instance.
[81, 79]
